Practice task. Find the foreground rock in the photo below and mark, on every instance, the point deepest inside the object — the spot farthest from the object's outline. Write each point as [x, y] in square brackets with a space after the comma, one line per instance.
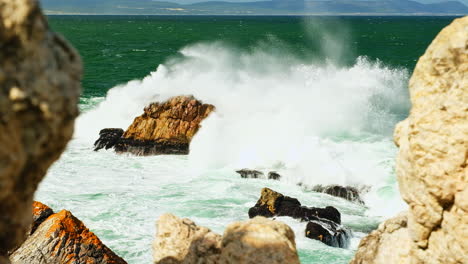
[324, 223]
[432, 161]
[39, 89]
[349, 193]
[258, 240]
[164, 128]
[61, 238]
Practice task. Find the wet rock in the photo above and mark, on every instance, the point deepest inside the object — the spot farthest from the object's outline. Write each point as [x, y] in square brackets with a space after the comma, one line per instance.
[181, 241]
[348, 193]
[251, 174]
[273, 175]
[272, 203]
[108, 137]
[259, 241]
[328, 232]
[39, 89]
[432, 161]
[62, 238]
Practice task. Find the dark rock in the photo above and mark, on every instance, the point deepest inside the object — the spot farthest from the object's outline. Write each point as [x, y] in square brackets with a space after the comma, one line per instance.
[349, 193]
[108, 137]
[273, 175]
[272, 203]
[148, 147]
[252, 174]
[328, 232]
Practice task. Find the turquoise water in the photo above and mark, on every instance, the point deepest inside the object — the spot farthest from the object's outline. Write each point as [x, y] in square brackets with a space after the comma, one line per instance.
[315, 99]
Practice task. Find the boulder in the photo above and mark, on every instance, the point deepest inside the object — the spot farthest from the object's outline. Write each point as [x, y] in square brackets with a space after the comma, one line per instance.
[182, 241]
[328, 232]
[251, 174]
[273, 175]
[432, 161]
[40, 78]
[257, 241]
[61, 238]
[164, 128]
[346, 192]
[40, 213]
[272, 203]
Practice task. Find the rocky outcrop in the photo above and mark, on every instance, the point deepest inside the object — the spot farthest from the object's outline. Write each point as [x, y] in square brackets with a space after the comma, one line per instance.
[61, 238]
[432, 160]
[164, 128]
[255, 174]
[349, 193]
[39, 89]
[258, 240]
[324, 223]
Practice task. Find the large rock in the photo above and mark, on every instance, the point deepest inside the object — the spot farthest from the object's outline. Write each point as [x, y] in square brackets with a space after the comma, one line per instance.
[61, 238]
[257, 241]
[349, 193]
[432, 159]
[39, 89]
[182, 241]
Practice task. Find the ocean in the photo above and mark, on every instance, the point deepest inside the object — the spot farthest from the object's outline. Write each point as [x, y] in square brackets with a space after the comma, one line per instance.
[313, 98]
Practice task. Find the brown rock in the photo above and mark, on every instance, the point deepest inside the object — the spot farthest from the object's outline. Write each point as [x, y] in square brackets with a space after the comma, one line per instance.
[39, 89]
[182, 241]
[40, 213]
[164, 128]
[259, 241]
[432, 159]
[62, 238]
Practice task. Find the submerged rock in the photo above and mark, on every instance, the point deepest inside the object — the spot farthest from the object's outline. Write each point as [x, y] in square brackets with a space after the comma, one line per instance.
[260, 241]
[272, 203]
[164, 128]
[61, 238]
[251, 174]
[39, 89]
[346, 192]
[273, 175]
[432, 161]
[330, 232]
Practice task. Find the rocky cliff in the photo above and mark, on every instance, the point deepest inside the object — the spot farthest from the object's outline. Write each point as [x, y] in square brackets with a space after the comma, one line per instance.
[39, 89]
[432, 162]
[258, 241]
[164, 128]
[61, 238]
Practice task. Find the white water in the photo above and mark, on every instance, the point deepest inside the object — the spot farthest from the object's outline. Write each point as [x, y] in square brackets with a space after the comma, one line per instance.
[314, 123]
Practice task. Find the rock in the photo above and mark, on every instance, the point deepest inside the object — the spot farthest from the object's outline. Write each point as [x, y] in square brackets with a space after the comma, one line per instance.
[165, 128]
[182, 241]
[40, 213]
[39, 89]
[108, 137]
[328, 232]
[62, 238]
[348, 193]
[390, 243]
[432, 160]
[273, 175]
[272, 203]
[252, 174]
[259, 241]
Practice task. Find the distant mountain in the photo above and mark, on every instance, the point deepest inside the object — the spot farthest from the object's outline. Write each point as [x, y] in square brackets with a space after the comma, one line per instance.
[274, 7]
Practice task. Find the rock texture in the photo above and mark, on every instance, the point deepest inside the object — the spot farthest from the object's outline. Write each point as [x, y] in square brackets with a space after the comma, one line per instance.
[346, 192]
[164, 128]
[257, 241]
[432, 159]
[61, 238]
[39, 89]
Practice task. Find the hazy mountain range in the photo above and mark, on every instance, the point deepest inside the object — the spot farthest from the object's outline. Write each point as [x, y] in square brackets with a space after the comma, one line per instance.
[274, 7]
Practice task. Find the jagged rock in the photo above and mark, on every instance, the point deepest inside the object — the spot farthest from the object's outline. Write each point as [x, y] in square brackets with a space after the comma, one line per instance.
[272, 203]
[62, 238]
[328, 232]
[348, 193]
[108, 137]
[181, 241]
[251, 174]
[39, 88]
[164, 128]
[273, 175]
[40, 213]
[432, 160]
[259, 241]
